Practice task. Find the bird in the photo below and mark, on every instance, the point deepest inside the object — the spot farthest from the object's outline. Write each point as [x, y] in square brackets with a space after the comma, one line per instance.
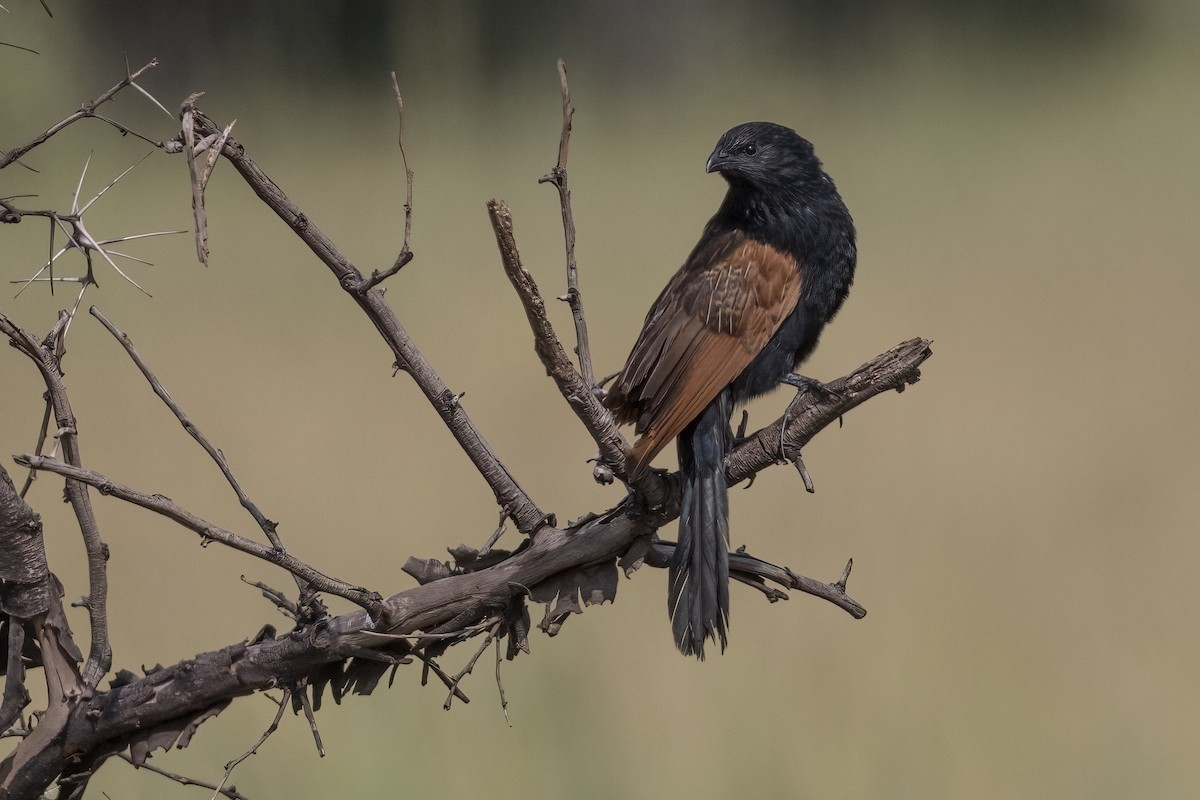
[771, 268]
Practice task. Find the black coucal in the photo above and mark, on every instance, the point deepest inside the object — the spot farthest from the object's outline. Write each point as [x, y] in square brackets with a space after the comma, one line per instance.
[772, 266]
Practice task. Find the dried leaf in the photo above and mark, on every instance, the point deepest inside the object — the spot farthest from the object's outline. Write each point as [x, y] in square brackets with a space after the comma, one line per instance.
[177, 731]
[592, 584]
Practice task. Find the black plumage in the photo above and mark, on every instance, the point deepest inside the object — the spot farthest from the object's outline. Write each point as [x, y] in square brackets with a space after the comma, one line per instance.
[772, 267]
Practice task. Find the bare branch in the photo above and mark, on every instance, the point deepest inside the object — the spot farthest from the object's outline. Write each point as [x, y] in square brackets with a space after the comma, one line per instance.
[232, 765]
[85, 111]
[558, 177]
[595, 417]
[524, 512]
[48, 364]
[406, 255]
[183, 780]
[166, 507]
[445, 605]
[268, 526]
[465, 671]
[312, 721]
[894, 370]
[753, 571]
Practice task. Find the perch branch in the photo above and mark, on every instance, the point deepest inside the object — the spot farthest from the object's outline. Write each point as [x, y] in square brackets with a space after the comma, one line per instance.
[894, 370]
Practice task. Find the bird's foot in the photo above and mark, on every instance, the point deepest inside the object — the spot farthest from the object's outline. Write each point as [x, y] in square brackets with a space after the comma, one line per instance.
[802, 382]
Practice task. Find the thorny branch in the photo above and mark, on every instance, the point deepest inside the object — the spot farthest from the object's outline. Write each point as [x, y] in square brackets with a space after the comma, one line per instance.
[86, 110]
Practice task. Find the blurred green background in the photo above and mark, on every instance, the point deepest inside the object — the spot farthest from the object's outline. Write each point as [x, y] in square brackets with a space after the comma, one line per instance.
[1023, 521]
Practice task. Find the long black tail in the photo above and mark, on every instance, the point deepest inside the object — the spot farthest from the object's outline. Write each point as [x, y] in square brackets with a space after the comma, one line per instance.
[698, 596]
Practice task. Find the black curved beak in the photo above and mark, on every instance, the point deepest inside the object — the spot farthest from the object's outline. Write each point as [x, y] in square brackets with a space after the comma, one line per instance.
[718, 159]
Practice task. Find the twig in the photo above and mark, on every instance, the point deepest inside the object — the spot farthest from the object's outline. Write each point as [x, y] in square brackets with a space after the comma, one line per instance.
[86, 110]
[429, 665]
[406, 255]
[312, 721]
[31, 476]
[183, 780]
[500, 686]
[100, 651]
[159, 504]
[275, 596]
[595, 417]
[753, 571]
[496, 534]
[465, 671]
[558, 177]
[409, 358]
[232, 765]
[268, 526]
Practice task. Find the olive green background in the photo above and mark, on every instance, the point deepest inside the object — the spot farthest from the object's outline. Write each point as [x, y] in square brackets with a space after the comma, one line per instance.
[1023, 521]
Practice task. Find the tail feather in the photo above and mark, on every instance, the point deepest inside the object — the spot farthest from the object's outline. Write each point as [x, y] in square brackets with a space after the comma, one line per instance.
[698, 593]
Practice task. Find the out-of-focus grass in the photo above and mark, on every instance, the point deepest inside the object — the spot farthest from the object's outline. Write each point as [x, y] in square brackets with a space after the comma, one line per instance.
[1022, 521]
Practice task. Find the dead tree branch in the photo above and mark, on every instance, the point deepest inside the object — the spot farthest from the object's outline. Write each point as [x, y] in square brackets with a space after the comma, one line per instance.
[577, 390]
[46, 359]
[174, 696]
[522, 509]
[207, 531]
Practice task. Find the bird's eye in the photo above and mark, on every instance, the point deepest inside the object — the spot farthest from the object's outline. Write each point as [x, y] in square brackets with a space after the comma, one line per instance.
[750, 149]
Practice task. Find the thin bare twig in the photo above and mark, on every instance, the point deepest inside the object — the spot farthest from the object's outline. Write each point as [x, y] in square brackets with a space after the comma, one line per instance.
[496, 534]
[558, 177]
[183, 780]
[500, 686]
[312, 721]
[268, 526]
[370, 601]
[86, 110]
[378, 277]
[232, 765]
[275, 596]
[31, 476]
[753, 571]
[465, 671]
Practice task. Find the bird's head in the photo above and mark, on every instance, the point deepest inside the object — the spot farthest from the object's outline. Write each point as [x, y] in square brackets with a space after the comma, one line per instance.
[766, 156]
